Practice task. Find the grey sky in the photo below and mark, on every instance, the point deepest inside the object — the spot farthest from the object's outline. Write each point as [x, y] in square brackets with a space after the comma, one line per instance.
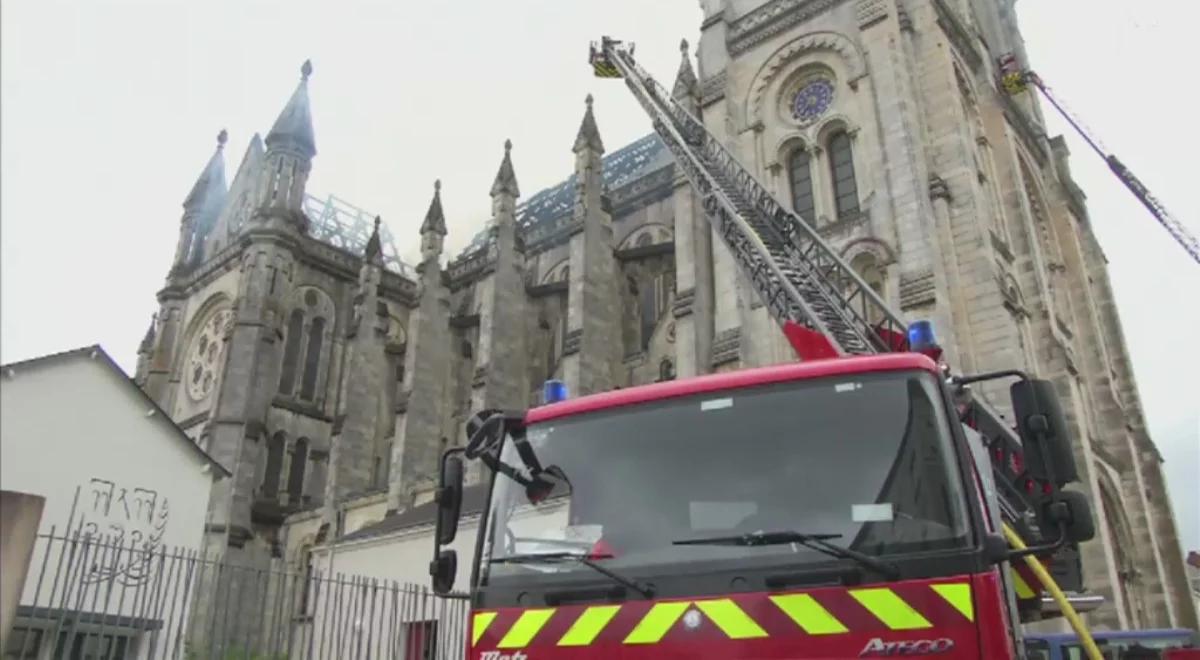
[109, 109]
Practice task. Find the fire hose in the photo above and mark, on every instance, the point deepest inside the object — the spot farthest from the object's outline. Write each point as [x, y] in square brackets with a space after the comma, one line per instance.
[1085, 637]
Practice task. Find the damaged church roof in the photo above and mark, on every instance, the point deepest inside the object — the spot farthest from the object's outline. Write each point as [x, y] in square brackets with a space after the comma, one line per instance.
[627, 164]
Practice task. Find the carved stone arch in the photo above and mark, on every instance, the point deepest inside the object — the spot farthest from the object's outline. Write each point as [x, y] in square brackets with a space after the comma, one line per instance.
[211, 305]
[555, 272]
[790, 144]
[831, 124]
[652, 229]
[779, 61]
[1110, 492]
[883, 253]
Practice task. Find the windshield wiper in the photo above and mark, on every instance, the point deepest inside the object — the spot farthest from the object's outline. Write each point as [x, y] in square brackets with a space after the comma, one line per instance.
[586, 560]
[818, 542]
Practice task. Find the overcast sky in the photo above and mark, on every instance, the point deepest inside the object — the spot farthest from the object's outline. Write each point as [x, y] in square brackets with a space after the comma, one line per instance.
[109, 109]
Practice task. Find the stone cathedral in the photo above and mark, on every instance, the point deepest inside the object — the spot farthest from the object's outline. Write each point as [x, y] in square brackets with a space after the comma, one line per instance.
[296, 348]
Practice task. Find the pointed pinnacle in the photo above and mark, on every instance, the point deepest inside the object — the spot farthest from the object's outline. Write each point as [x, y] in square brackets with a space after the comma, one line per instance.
[306, 69]
[222, 138]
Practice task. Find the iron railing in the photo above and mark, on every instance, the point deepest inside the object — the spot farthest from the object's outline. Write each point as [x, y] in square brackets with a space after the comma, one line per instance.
[109, 597]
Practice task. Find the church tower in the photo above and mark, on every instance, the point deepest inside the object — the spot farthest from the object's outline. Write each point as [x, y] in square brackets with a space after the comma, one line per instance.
[882, 124]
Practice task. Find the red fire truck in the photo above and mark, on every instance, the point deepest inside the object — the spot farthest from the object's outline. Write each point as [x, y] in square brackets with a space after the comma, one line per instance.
[853, 504]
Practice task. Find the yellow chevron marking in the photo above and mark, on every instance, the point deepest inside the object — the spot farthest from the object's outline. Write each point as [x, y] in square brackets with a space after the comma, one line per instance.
[1022, 587]
[731, 619]
[958, 594]
[657, 622]
[480, 624]
[808, 614]
[890, 609]
[589, 624]
[526, 627]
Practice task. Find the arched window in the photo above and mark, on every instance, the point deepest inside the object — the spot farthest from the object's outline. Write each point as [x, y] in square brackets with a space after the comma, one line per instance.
[291, 352]
[800, 174]
[841, 162]
[295, 485]
[270, 482]
[312, 361]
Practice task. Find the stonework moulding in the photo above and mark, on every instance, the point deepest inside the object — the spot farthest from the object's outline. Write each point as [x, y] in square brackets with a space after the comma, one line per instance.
[726, 346]
[789, 52]
[772, 19]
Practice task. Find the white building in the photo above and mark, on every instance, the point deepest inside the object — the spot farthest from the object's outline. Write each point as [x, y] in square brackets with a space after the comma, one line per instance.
[126, 495]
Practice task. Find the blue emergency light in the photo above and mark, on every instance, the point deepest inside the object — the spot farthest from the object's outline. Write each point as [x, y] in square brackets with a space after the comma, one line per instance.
[554, 391]
[921, 337]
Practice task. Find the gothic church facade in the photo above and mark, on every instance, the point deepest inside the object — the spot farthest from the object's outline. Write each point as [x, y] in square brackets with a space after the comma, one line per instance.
[295, 347]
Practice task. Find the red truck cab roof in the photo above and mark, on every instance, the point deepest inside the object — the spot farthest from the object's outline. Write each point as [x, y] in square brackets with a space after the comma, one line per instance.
[732, 380]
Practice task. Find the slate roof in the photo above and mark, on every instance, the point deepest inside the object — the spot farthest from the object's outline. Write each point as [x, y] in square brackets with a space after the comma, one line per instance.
[627, 164]
[474, 499]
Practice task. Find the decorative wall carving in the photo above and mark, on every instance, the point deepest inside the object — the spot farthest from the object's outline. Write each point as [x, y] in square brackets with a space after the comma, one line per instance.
[870, 12]
[917, 289]
[772, 19]
[727, 346]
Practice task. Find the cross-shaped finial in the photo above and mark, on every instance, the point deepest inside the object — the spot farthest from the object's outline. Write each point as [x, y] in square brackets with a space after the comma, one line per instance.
[306, 69]
[683, 46]
[437, 185]
[222, 138]
[588, 100]
[507, 146]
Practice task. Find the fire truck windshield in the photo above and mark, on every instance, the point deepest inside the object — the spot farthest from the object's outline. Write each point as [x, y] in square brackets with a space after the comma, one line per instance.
[865, 457]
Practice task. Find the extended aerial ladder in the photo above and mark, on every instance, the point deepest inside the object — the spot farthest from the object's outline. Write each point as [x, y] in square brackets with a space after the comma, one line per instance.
[826, 309]
[1016, 81]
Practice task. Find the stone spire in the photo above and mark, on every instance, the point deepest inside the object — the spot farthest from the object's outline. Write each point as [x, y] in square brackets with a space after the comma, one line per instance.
[433, 230]
[687, 85]
[590, 353]
[589, 133]
[506, 178]
[208, 193]
[201, 208]
[293, 128]
[148, 341]
[374, 250]
[145, 351]
[435, 219]
[288, 161]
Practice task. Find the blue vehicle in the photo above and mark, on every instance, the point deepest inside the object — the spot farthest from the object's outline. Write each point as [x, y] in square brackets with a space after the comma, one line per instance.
[1115, 645]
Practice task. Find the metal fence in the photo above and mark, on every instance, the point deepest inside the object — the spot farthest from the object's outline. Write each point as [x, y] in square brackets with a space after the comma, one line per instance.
[100, 597]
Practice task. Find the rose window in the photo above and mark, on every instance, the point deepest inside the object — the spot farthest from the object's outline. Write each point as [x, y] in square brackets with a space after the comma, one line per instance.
[204, 360]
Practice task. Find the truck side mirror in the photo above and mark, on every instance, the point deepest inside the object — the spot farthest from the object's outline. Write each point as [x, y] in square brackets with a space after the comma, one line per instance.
[1043, 431]
[443, 569]
[449, 498]
[1074, 513]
